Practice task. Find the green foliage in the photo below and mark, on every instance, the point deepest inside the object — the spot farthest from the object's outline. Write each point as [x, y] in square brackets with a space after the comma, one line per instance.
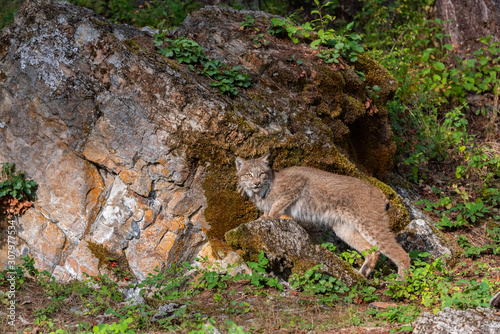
[474, 251]
[233, 328]
[122, 327]
[167, 284]
[15, 184]
[9, 10]
[182, 49]
[427, 281]
[428, 115]
[337, 43]
[18, 273]
[402, 314]
[314, 282]
[474, 198]
[248, 23]
[434, 286]
[224, 77]
[220, 277]
[468, 294]
[258, 276]
[285, 27]
[213, 280]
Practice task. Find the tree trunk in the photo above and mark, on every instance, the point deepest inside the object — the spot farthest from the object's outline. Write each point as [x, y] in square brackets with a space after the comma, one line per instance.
[471, 19]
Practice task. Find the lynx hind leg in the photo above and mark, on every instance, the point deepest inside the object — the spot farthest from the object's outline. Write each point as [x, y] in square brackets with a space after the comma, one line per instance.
[386, 242]
[354, 239]
[397, 254]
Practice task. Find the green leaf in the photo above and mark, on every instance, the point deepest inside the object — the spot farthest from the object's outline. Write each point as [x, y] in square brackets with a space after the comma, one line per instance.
[166, 52]
[314, 44]
[438, 65]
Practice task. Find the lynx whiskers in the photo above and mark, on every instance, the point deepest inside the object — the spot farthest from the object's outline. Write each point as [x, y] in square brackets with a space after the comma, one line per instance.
[354, 209]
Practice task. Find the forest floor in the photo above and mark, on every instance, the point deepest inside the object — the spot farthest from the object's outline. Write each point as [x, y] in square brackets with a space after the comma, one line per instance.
[43, 306]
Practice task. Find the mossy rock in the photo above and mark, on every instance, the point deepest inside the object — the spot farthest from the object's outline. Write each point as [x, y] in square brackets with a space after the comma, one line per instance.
[289, 249]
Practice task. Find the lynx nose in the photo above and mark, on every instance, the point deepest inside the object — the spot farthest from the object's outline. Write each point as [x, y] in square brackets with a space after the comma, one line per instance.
[256, 184]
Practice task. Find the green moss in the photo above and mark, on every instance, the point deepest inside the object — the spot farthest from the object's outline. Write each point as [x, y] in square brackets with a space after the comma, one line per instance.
[106, 257]
[356, 109]
[134, 46]
[226, 208]
[376, 74]
[99, 22]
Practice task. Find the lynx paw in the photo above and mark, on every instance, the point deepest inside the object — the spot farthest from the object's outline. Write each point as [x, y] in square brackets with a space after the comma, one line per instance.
[265, 217]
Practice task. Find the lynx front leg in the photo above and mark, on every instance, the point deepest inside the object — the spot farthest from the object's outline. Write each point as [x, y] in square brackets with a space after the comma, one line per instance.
[277, 210]
[287, 197]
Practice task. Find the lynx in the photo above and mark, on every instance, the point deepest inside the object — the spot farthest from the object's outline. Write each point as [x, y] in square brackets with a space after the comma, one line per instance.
[354, 209]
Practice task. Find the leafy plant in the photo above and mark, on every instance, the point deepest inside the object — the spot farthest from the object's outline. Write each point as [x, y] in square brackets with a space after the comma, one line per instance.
[402, 314]
[474, 251]
[248, 23]
[18, 273]
[287, 27]
[165, 285]
[15, 184]
[342, 43]
[226, 78]
[427, 281]
[182, 49]
[314, 282]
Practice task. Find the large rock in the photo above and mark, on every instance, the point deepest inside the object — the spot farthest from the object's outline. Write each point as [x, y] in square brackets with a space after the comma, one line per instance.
[453, 321]
[134, 153]
[421, 233]
[289, 249]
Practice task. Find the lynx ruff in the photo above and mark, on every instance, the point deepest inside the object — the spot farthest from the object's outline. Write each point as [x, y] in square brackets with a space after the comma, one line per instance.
[354, 209]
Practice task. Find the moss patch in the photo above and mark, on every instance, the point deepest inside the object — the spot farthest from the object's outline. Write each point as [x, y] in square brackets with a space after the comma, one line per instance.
[226, 208]
[106, 257]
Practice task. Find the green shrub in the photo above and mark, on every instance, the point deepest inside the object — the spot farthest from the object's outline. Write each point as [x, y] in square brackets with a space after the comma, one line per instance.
[225, 77]
[15, 184]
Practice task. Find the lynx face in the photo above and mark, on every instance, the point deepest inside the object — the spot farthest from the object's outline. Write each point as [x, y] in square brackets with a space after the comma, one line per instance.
[254, 176]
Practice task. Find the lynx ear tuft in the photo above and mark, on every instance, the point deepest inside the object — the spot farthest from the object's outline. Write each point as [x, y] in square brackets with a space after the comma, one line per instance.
[239, 163]
[265, 157]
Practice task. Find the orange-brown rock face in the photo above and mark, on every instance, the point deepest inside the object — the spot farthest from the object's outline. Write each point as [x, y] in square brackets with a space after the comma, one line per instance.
[132, 151]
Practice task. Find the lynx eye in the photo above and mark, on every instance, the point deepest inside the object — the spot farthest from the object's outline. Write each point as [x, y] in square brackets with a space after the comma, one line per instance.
[261, 174]
[248, 175]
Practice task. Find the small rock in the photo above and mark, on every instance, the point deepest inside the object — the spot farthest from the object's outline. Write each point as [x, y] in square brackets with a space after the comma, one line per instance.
[133, 296]
[78, 310]
[420, 235]
[166, 311]
[453, 321]
[23, 321]
[150, 31]
[495, 301]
